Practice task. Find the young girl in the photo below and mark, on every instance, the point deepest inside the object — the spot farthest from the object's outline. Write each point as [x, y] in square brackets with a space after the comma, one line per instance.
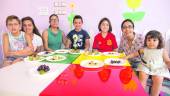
[105, 40]
[154, 61]
[16, 44]
[53, 37]
[29, 27]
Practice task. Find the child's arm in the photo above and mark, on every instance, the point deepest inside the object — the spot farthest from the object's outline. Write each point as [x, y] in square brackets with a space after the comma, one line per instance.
[68, 43]
[132, 55]
[166, 57]
[87, 44]
[64, 39]
[24, 52]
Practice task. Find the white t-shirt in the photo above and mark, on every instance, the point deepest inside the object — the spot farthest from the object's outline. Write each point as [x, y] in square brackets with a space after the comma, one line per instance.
[37, 41]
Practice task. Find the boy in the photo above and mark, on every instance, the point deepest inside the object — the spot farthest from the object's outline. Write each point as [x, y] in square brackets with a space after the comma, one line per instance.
[78, 38]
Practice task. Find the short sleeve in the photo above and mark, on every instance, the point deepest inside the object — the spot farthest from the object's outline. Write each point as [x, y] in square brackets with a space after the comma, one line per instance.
[95, 43]
[120, 49]
[86, 35]
[114, 42]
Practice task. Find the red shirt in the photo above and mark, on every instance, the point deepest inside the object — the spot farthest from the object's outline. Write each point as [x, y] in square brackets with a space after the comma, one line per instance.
[105, 44]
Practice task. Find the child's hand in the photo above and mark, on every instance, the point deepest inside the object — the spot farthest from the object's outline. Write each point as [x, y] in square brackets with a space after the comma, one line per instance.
[125, 57]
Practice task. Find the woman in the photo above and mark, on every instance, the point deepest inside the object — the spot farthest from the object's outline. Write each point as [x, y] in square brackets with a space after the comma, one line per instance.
[53, 37]
[29, 27]
[130, 41]
[16, 44]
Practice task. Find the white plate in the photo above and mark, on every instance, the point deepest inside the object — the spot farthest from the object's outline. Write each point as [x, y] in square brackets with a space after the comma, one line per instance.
[92, 64]
[34, 73]
[81, 51]
[28, 60]
[58, 58]
[111, 53]
[62, 51]
[44, 53]
[108, 61]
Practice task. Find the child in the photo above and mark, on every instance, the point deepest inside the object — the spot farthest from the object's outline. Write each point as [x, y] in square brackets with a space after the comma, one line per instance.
[105, 40]
[16, 44]
[78, 38]
[153, 61]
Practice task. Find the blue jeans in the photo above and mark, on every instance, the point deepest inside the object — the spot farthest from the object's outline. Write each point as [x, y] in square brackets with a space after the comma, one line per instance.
[135, 64]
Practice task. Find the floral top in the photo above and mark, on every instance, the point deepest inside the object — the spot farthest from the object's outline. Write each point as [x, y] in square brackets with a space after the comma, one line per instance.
[137, 44]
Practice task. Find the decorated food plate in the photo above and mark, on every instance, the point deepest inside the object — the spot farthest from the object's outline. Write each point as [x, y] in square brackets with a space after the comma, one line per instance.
[34, 58]
[75, 51]
[33, 72]
[111, 53]
[92, 64]
[55, 58]
[45, 53]
[93, 53]
[63, 51]
[114, 61]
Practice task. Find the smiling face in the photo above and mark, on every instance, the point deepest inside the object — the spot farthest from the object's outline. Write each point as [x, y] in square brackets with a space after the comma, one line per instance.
[13, 26]
[54, 21]
[152, 43]
[128, 29]
[28, 26]
[78, 24]
[104, 26]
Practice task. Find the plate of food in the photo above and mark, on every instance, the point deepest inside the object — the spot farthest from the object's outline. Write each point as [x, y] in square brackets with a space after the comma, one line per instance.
[93, 53]
[45, 53]
[114, 61]
[92, 64]
[34, 58]
[112, 53]
[55, 58]
[63, 51]
[41, 71]
[74, 51]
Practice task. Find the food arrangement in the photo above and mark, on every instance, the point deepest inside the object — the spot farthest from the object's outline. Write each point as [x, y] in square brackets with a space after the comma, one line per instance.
[115, 61]
[91, 63]
[93, 52]
[112, 53]
[62, 51]
[42, 69]
[34, 57]
[74, 51]
[56, 58]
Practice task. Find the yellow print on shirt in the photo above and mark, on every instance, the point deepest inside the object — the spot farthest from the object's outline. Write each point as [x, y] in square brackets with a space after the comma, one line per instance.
[109, 42]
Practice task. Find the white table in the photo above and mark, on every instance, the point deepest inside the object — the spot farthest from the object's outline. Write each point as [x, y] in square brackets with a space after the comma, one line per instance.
[16, 80]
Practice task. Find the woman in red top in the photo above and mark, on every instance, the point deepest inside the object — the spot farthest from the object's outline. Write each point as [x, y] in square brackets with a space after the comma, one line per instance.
[105, 40]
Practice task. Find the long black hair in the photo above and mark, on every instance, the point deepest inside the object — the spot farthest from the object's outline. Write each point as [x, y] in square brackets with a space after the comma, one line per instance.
[35, 30]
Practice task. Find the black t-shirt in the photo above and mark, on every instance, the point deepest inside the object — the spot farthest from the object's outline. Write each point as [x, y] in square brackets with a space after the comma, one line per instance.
[78, 38]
